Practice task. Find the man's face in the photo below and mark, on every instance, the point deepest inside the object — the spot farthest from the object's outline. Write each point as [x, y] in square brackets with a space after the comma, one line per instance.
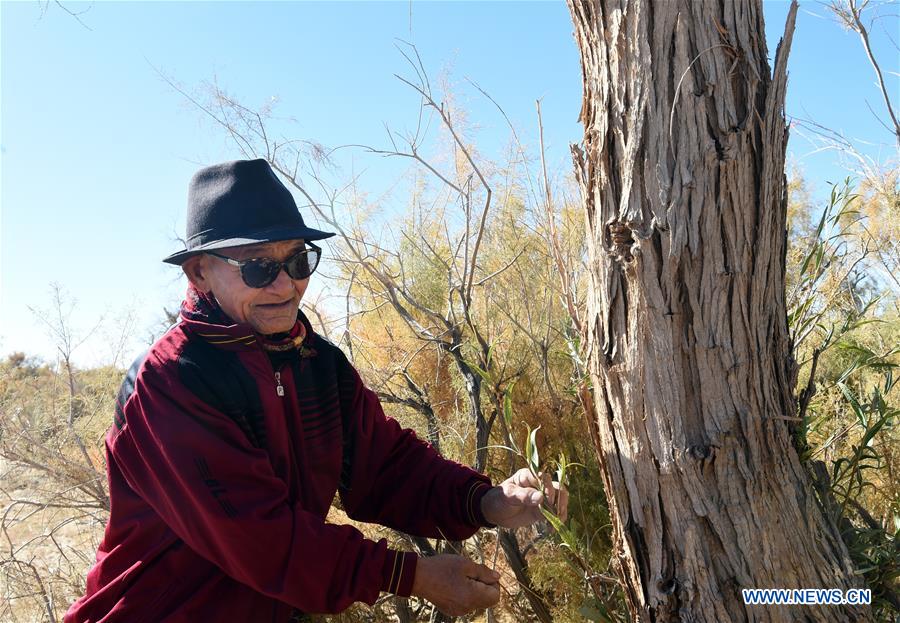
[271, 309]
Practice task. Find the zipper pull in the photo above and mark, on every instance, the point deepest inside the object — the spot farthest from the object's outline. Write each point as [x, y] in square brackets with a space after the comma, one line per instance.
[280, 388]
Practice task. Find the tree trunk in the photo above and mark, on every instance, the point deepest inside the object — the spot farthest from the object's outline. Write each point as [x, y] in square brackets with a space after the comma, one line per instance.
[682, 178]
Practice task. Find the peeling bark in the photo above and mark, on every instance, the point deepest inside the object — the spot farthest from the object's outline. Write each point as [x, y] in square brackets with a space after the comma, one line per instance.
[682, 177]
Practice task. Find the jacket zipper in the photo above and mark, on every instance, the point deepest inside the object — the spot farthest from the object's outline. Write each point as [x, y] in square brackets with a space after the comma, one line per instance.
[279, 389]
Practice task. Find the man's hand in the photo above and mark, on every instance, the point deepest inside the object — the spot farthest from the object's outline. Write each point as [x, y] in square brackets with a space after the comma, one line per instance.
[516, 502]
[456, 585]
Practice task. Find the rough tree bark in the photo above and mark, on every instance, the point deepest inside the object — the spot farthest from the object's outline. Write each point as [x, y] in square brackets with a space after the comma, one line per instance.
[682, 177]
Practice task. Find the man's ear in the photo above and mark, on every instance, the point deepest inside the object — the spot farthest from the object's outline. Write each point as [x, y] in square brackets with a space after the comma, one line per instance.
[196, 270]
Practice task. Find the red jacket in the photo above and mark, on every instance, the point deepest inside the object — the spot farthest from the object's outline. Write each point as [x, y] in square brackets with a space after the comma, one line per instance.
[219, 486]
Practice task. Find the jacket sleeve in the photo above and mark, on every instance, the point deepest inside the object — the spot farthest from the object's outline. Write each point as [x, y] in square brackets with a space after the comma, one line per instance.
[219, 494]
[399, 481]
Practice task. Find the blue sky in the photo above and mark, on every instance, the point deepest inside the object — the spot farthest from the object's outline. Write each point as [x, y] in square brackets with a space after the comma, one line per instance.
[97, 149]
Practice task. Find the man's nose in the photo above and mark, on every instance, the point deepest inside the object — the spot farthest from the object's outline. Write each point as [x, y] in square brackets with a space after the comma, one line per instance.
[282, 282]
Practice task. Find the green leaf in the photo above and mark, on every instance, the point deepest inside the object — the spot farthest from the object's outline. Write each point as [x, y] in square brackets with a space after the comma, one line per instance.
[498, 446]
[592, 614]
[593, 610]
[531, 451]
[854, 404]
[483, 374]
[568, 537]
[561, 471]
[871, 432]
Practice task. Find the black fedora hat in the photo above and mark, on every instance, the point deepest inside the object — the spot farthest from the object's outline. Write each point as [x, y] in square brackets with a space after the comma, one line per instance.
[238, 203]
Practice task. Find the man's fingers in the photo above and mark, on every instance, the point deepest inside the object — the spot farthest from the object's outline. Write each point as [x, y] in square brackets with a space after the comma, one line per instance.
[455, 584]
[483, 586]
[524, 478]
[483, 595]
[525, 489]
[524, 496]
[562, 505]
[482, 573]
[549, 490]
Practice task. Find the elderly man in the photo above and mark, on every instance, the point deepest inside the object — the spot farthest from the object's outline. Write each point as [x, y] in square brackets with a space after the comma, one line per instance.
[233, 433]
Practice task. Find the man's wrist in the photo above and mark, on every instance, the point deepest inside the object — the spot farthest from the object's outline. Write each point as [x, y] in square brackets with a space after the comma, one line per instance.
[421, 586]
[484, 516]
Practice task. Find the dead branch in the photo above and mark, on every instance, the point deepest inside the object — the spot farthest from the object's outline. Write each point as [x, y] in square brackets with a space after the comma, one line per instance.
[849, 13]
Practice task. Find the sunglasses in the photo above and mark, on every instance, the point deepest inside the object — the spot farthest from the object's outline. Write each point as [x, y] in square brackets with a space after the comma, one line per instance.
[262, 271]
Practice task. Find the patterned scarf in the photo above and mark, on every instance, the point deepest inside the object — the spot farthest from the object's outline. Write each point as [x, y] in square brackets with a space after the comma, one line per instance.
[290, 340]
[204, 307]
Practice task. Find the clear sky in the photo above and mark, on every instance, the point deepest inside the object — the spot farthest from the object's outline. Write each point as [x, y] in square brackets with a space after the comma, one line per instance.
[97, 149]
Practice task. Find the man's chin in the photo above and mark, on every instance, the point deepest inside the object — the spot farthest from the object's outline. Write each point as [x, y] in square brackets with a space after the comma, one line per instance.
[268, 328]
